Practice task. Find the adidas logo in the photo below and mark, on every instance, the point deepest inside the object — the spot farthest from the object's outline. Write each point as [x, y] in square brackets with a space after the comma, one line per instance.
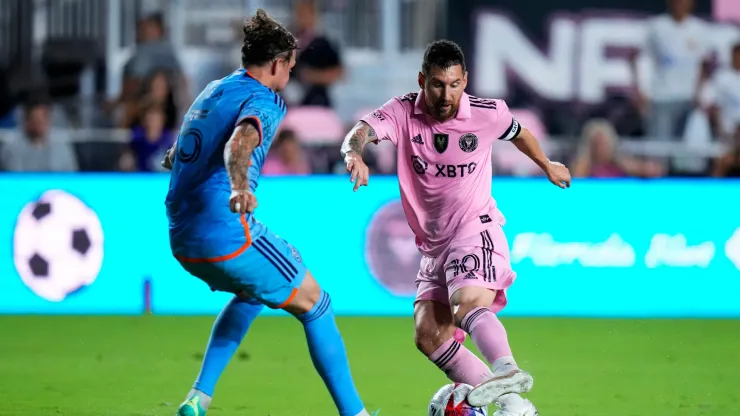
[417, 139]
[470, 275]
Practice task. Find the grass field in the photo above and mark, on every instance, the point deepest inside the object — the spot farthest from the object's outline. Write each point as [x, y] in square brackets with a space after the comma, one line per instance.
[132, 366]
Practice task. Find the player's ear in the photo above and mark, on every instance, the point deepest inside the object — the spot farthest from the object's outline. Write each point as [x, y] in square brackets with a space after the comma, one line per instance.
[421, 80]
[465, 79]
[274, 66]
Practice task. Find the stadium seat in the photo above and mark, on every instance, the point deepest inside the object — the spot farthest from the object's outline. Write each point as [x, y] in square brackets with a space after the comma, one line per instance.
[508, 159]
[315, 125]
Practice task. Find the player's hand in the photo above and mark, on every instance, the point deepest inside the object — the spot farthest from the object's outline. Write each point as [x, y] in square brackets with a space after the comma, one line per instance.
[242, 202]
[558, 174]
[359, 172]
[168, 158]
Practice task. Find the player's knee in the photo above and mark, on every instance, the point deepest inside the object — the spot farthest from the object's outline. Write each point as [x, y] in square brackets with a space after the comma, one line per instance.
[428, 339]
[468, 298]
[305, 297]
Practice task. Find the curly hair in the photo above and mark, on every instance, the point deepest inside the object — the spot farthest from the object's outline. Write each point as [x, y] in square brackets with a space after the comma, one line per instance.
[265, 40]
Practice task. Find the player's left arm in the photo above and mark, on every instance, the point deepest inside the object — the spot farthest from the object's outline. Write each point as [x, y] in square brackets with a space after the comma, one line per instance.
[556, 172]
[169, 156]
[237, 158]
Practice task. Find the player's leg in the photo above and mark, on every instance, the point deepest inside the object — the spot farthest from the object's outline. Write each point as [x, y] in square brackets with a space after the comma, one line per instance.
[278, 277]
[478, 273]
[312, 306]
[473, 314]
[434, 336]
[229, 329]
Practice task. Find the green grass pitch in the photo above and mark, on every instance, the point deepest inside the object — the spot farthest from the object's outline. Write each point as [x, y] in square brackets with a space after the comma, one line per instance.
[136, 366]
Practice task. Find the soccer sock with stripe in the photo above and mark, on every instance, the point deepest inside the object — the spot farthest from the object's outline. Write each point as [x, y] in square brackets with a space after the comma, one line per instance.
[228, 331]
[460, 365]
[489, 335]
[329, 356]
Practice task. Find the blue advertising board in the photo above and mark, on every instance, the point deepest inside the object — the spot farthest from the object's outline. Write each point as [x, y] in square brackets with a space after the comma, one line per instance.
[98, 244]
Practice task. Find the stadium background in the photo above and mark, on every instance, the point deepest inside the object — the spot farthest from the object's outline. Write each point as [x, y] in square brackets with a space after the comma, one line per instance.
[627, 296]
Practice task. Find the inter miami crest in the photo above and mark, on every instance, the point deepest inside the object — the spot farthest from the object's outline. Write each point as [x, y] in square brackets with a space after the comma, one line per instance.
[440, 142]
[468, 142]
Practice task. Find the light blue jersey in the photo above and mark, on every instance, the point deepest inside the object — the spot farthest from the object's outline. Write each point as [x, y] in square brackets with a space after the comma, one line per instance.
[230, 252]
[198, 198]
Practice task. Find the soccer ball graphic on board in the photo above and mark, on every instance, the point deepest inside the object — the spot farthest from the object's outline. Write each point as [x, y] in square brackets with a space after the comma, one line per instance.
[57, 245]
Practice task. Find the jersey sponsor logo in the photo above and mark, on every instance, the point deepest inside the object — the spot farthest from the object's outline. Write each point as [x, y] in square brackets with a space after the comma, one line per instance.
[420, 165]
[455, 171]
[379, 116]
[441, 140]
[485, 219]
[468, 142]
[417, 139]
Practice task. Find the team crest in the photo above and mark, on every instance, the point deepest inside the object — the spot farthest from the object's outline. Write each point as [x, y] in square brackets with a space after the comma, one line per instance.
[468, 142]
[440, 142]
[293, 251]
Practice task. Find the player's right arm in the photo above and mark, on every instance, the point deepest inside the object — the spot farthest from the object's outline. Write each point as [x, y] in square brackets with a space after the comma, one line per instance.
[237, 158]
[381, 124]
[355, 141]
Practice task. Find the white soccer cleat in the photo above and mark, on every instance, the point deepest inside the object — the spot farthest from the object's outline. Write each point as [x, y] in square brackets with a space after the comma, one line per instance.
[487, 392]
[524, 409]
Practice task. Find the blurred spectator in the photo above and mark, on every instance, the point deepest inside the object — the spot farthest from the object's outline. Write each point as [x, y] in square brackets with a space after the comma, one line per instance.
[153, 54]
[156, 91]
[722, 94]
[37, 149]
[598, 155]
[286, 157]
[728, 166]
[319, 64]
[149, 142]
[678, 45]
[7, 101]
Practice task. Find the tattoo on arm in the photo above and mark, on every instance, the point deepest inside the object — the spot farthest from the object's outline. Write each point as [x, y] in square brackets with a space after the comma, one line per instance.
[357, 138]
[238, 154]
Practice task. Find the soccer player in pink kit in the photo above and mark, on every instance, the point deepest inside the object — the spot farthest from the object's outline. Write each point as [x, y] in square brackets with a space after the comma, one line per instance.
[444, 139]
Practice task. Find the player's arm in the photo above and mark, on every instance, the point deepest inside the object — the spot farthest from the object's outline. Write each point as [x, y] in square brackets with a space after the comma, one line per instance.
[169, 157]
[237, 158]
[354, 142]
[556, 172]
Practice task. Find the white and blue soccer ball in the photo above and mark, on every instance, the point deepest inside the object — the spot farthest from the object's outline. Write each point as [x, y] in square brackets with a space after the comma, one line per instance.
[450, 401]
[57, 245]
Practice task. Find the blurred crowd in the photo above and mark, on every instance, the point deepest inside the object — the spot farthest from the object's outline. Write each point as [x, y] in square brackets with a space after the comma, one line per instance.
[692, 100]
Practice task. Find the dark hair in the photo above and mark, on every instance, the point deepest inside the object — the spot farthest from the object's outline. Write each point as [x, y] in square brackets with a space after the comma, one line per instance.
[736, 48]
[285, 135]
[36, 99]
[265, 40]
[442, 54]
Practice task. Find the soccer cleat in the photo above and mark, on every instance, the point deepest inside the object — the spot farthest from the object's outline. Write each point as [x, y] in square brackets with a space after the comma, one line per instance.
[526, 409]
[191, 407]
[487, 392]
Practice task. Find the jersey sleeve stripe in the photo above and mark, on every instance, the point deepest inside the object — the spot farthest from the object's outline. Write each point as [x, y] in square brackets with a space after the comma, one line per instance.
[255, 121]
[513, 131]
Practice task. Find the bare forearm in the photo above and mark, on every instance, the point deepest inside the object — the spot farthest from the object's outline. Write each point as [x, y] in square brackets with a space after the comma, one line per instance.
[238, 155]
[355, 141]
[527, 144]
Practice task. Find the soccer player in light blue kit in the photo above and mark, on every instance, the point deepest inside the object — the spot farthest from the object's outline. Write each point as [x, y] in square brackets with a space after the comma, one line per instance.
[214, 234]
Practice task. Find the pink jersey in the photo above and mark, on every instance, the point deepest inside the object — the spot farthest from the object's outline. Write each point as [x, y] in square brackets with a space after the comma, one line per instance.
[444, 169]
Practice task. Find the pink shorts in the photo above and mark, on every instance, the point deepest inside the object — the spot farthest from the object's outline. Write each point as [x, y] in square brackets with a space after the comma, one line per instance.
[481, 260]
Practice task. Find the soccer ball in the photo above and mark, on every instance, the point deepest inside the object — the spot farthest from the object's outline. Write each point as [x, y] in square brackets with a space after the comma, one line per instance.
[450, 401]
[57, 245]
